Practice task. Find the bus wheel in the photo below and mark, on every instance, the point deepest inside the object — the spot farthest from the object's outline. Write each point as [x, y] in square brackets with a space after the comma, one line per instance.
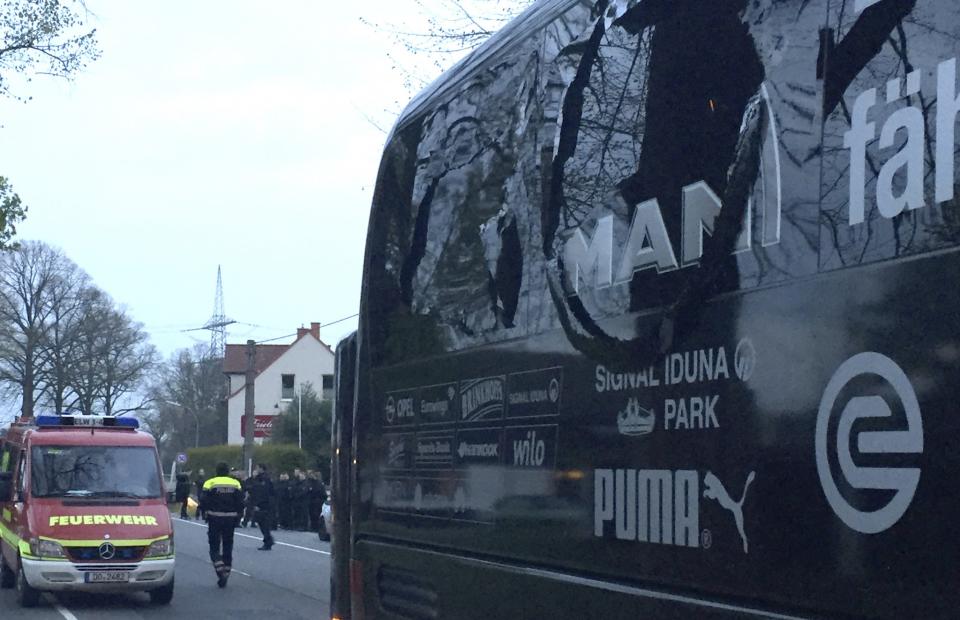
[162, 596]
[8, 578]
[27, 595]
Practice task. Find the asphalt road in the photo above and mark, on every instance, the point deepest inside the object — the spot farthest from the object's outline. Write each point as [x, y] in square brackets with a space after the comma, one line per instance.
[290, 581]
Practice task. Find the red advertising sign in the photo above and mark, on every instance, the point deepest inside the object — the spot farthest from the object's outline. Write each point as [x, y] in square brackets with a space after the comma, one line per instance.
[263, 426]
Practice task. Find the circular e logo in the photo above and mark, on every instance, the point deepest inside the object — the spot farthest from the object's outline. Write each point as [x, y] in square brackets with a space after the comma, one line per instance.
[902, 480]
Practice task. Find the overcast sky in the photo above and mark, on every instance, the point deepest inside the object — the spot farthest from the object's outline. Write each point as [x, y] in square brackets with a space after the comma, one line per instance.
[222, 132]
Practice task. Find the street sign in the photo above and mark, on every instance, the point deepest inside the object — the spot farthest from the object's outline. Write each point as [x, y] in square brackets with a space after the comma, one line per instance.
[181, 457]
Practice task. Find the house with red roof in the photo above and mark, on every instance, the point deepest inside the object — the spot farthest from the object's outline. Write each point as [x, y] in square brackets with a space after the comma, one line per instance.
[281, 371]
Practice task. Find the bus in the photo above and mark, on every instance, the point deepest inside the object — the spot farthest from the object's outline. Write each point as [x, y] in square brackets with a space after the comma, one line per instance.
[660, 319]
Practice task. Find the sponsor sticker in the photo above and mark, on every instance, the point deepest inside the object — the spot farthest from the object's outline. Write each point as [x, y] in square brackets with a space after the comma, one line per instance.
[439, 404]
[482, 400]
[400, 408]
[535, 393]
[664, 506]
[868, 386]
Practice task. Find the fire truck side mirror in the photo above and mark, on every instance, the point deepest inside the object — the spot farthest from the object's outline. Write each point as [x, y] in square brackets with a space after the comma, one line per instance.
[6, 486]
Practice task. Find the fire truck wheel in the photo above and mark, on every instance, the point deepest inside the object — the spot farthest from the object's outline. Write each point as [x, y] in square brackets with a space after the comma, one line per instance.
[27, 595]
[162, 596]
[8, 578]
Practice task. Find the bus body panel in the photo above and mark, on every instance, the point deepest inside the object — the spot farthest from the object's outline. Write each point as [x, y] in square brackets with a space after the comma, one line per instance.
[659, 311]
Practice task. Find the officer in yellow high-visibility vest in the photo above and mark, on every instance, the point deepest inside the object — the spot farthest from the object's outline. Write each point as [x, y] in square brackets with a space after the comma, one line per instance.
[222, 504]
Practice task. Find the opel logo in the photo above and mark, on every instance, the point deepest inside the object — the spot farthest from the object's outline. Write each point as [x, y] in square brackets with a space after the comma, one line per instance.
[107, 551]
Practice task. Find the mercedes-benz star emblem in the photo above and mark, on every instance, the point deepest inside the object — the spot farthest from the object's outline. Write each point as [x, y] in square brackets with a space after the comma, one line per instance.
[107, 551]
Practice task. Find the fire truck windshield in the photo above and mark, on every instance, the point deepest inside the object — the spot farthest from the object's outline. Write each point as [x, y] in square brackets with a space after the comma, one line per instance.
[94, 471]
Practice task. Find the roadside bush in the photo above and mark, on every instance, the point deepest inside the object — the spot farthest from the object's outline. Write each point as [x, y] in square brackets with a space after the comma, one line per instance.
[278, 458]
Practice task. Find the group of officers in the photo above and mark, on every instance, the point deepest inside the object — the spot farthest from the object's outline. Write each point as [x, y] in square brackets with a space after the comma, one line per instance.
[230, 500]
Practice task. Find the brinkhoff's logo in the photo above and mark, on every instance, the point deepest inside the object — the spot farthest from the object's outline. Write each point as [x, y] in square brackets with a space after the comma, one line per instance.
[861, 372]
[662, 506]
[482, 399]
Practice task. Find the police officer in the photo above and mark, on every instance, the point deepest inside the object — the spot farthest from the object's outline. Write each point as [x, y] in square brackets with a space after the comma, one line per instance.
[182, 494]
[201, 479]
[318, 495]
[285, 501]
[263, 497]
[222, 505]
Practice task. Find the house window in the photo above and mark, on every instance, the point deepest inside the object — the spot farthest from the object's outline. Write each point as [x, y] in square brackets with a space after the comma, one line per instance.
[286, 387]
[327, 387]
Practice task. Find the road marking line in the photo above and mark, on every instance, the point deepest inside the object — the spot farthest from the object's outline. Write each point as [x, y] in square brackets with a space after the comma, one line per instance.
[276, 542]
[60, 608]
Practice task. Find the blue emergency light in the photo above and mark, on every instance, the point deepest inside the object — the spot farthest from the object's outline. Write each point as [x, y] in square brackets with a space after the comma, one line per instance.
[95, 421]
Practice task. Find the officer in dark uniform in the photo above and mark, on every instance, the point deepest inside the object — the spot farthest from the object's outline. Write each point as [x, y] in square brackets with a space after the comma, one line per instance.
[300, 500]
[222, 505]
[318, 495]
[284, 499]
[201, 479]
[263, 497]
[182, 494]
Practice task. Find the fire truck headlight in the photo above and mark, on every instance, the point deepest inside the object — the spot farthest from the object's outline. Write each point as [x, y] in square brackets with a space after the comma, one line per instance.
[160, 548]
[47, 549]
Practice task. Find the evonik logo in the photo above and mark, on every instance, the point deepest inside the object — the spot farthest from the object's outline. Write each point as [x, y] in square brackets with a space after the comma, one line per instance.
[902, 481]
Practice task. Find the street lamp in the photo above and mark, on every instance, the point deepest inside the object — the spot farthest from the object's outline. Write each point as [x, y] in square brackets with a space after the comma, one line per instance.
[196, 441]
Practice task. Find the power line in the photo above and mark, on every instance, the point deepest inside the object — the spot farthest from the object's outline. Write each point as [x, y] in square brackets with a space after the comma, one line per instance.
[346, 318]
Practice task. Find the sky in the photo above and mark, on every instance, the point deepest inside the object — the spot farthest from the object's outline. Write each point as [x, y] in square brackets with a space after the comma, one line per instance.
[230, 133]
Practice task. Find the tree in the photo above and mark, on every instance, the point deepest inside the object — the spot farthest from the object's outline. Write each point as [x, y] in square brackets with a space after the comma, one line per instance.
[188, 395]
[29, 279]
[61, 344]
[38, 37]
[12, 212]
[452, 27]
[113, 356]
[316, 416]
[62, 341]
[43, 37]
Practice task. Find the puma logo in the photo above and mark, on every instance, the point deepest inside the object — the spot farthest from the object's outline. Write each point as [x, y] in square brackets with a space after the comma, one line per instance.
[714, 489]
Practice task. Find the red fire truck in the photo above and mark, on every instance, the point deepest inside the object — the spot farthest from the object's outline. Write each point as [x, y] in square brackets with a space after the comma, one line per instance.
[82, 508]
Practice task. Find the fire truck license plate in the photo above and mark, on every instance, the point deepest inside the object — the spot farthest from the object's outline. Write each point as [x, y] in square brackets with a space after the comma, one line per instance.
[108, 577]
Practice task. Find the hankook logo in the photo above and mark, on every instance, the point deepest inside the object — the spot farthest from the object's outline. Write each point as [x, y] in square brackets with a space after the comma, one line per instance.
[902, 480]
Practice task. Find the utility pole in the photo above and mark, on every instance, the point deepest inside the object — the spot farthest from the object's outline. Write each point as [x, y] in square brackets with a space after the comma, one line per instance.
[248, 405]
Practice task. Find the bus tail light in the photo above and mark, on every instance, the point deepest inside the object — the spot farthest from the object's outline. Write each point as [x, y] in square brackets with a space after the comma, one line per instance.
[356, 590]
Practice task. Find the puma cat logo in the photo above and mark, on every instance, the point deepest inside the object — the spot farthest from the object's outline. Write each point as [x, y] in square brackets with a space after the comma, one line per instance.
[715, 490]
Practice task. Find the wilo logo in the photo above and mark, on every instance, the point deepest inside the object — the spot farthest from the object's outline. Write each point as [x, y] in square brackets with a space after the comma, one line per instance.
[531, 451]
[902, 480]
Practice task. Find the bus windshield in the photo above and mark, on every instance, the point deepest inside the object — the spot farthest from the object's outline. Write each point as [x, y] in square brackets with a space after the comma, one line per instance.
[94, 471]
